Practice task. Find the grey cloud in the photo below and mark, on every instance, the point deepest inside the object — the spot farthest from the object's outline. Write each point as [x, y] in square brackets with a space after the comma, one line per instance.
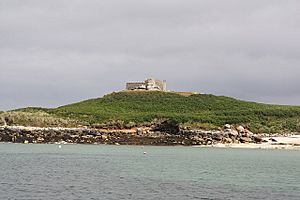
[56, 52]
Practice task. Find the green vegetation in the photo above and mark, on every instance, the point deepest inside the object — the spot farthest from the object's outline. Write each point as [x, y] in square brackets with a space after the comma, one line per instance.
[197, 110]
[37, 118]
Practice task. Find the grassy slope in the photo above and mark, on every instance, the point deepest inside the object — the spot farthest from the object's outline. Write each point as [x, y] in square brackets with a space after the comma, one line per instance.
[198, 108]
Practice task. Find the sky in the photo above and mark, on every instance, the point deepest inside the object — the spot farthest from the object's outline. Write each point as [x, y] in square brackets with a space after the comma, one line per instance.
[58, 52]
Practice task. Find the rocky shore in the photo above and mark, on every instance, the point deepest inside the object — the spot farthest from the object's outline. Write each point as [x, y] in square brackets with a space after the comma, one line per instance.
[134, 136]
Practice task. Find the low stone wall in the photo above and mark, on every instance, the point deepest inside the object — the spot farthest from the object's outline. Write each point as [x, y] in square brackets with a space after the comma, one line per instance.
[138, 136]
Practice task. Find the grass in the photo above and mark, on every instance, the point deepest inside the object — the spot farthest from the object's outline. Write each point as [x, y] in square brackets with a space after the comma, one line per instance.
[195, 110]
[37, 119]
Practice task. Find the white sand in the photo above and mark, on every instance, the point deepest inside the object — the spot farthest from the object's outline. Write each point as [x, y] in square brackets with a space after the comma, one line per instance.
[290, 143]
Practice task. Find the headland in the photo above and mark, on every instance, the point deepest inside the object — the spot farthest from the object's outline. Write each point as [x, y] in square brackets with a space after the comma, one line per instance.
[155, 118]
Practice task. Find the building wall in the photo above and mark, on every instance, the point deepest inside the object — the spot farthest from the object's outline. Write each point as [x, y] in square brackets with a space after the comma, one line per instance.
[135, 85]
[164, 85]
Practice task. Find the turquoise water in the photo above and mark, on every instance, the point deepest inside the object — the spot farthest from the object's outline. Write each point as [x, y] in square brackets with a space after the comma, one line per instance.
[124, 172]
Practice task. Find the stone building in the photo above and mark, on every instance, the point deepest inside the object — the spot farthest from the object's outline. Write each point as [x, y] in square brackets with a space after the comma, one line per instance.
[149, 84]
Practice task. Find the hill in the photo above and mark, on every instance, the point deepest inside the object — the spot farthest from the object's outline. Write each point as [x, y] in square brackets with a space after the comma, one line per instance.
[202, 110]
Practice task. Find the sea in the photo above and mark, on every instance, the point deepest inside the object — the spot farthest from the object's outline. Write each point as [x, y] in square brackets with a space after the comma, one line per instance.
[49, 171]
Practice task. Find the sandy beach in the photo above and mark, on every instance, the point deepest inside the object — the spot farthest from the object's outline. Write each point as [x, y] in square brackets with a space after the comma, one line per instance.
[288, 143]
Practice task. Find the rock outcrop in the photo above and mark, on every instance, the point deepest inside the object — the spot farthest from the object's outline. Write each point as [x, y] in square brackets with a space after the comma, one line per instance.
[228, 135]
[163, 134]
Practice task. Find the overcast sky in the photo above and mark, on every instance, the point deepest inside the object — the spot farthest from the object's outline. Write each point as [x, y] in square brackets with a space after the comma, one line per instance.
[57, 52]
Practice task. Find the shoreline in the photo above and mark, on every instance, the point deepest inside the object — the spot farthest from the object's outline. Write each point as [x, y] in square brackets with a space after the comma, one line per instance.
[230, 137]
[258, 146]
[217, 146]
[283, 143]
